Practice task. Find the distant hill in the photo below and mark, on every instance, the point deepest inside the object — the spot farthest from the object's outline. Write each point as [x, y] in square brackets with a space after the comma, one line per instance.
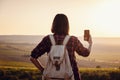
[105, 51]
[21, 38]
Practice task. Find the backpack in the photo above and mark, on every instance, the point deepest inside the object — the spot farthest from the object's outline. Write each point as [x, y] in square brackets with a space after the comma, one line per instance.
[58, 64]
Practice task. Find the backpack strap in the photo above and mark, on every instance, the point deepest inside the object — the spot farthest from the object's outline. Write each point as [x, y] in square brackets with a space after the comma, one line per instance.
[52, 39]
[67, 37]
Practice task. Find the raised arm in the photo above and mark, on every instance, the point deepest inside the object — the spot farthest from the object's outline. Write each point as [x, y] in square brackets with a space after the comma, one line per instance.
[81, 50]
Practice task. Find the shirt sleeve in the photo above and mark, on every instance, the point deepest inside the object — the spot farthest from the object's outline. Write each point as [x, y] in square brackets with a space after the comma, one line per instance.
[80, 49]
[41, 48]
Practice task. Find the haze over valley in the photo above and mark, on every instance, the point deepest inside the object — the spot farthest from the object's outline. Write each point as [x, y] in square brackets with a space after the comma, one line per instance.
[17, 48]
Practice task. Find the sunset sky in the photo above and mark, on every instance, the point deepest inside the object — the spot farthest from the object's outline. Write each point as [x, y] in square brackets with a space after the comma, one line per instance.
[34, 17]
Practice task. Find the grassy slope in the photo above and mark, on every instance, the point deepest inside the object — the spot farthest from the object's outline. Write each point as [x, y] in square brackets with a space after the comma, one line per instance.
[16, 53]
[13, 73]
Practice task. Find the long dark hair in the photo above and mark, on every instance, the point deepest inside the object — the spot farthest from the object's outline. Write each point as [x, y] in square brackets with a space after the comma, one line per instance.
[60, 25]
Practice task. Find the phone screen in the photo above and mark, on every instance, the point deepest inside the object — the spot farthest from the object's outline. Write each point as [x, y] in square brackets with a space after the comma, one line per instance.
[86, 35]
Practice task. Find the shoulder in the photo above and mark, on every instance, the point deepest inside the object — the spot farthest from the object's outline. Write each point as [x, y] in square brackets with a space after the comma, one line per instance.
[73, 38]
[46, 38]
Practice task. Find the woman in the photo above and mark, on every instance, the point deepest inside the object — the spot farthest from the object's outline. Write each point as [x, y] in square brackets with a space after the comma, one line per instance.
[60, 28]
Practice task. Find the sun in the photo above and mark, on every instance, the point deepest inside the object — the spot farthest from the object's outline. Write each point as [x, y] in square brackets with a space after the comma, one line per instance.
[106, 17]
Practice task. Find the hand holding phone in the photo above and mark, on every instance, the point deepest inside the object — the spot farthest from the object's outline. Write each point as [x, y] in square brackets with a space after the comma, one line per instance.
[86, 35]
[88, 38]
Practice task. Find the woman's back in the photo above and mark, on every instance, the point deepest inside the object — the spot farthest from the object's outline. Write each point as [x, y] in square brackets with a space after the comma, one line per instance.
[60, 28]
[73, 45]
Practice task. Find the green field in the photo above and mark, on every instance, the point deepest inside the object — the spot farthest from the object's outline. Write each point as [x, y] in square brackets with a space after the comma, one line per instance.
[18, 54]
[20, 73]
[15, 63]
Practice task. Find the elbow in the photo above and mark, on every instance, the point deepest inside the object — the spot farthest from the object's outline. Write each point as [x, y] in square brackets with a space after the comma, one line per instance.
[32, 59]
[86, 53]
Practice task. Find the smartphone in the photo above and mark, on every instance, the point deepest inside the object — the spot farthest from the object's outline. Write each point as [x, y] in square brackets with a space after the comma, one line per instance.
[86, 35]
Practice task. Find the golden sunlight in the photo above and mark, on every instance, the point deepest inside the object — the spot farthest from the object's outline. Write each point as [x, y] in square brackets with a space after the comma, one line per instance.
[106, 17]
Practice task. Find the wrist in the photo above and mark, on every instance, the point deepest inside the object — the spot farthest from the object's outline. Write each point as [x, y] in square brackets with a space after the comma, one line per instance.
[89, 48]
[41, 68]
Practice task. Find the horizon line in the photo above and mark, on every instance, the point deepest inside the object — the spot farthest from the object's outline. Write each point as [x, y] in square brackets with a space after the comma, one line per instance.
[48, 34]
